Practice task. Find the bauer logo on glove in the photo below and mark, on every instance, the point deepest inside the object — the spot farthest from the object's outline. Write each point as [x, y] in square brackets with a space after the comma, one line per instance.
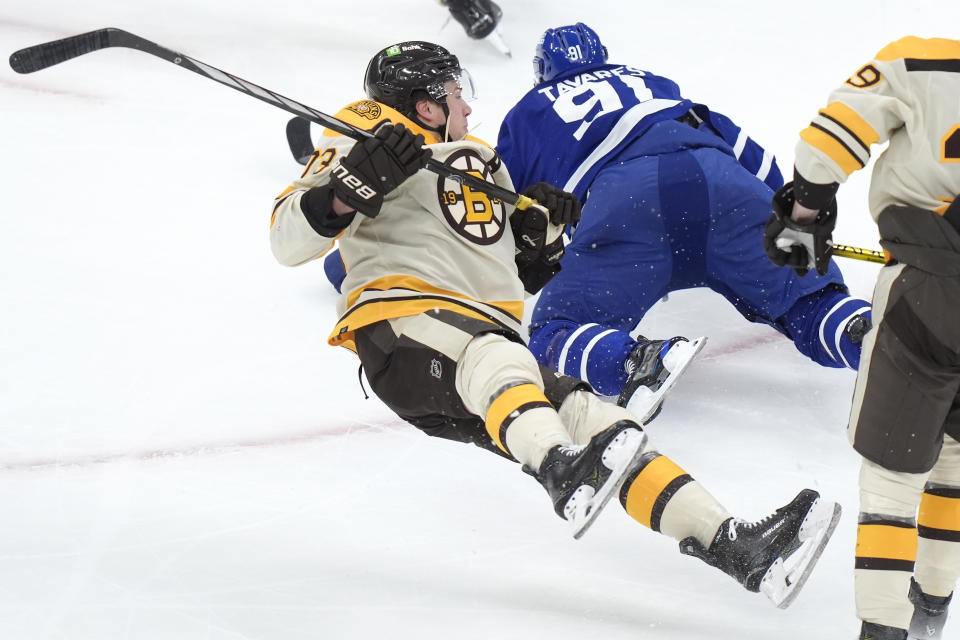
[378, 165]
[352, 182]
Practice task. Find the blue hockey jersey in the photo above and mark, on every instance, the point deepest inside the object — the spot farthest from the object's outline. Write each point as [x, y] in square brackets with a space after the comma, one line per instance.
[678, 198]
[564, 131]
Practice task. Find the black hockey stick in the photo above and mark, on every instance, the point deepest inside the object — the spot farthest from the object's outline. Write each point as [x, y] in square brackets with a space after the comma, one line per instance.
[45, 55]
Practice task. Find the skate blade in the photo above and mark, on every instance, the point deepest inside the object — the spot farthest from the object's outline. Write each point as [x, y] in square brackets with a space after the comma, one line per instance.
[644, 402]
[499, 43]
[621, 456]
[925, 627]
[785, 578]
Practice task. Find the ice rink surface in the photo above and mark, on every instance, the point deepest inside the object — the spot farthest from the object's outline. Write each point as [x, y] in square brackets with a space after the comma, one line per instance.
[183, 456]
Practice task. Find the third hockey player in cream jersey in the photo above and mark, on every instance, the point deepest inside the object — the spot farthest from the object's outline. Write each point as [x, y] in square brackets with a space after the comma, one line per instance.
[910, 95]
[905, 416]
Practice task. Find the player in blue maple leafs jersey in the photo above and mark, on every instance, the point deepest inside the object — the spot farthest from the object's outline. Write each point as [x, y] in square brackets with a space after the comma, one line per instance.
[676, 196]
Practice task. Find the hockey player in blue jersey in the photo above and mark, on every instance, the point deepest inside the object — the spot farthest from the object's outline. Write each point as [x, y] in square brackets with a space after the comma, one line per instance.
[676, 196]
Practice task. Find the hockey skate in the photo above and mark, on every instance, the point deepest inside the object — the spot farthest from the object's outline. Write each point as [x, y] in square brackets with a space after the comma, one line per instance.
[580, 480]
[929, 614]
[871, 631]
[653, 368]
[479, 19]
[775, 555]
[858, 327]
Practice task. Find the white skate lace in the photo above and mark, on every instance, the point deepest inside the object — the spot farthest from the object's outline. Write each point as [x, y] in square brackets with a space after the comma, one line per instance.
[749, 526]
[630, 365]
[571, 449]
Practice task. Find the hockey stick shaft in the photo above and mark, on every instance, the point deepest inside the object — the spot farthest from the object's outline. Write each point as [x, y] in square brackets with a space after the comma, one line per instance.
[47, 54]
[856, 253]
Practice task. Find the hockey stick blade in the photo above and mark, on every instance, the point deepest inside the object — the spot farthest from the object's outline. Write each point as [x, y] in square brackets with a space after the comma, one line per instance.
[48, 54]
[298, 139]
[45, 55]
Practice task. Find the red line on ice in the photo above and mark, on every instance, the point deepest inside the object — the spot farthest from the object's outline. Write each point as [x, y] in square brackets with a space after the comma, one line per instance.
[743, 345]
[200, 449]
[294, 438]
[24, 86]
[33, 26]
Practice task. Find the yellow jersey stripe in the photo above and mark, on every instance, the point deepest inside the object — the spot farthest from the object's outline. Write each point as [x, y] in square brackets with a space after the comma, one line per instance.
[920, 48]
[278, 201]
[414, 284]
[850, 120]
[367, 114]
[836, 150]
[378, 310]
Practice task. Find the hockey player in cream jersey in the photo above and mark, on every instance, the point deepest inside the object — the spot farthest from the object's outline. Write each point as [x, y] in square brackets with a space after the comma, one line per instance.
[905, 418]
[432, 302]
[409, 251]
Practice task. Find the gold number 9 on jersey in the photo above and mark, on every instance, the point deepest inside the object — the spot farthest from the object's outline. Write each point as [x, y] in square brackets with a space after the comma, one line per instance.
[866, 76]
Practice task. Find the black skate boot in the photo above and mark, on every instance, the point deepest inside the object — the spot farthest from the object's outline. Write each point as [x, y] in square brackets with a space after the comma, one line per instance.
[580, 480]
[871, 631]
[774, 555]
[857, 328]
[929, 614]
[653, 367]
[478, 18]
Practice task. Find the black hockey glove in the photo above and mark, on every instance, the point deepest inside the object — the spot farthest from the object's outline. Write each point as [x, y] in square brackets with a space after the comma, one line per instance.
[537, 261]
[564, 207]
[537, 257]
[799, 246]
[378, 165]
[529, 233]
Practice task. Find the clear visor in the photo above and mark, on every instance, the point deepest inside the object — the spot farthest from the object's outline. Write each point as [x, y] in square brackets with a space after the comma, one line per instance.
[458, 84]
[537, 70]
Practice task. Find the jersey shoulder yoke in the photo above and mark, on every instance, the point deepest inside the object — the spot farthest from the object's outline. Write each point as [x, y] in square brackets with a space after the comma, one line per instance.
[920, 48]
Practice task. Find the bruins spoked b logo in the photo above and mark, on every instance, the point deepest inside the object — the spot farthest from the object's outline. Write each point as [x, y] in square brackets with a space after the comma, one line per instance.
[474, 215]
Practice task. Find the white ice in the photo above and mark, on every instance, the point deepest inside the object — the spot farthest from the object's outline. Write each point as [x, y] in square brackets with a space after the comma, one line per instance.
[183, 456]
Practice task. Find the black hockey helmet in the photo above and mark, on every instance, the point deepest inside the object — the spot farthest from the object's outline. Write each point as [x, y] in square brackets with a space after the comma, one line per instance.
[399, 75]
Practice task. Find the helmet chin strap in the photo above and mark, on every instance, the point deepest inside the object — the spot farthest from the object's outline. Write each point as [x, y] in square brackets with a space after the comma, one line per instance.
[446, 121]
[442, 130]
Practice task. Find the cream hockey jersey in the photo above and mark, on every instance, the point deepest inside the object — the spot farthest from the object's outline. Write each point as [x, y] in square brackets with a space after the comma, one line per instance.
[436, 244]
[908, 94]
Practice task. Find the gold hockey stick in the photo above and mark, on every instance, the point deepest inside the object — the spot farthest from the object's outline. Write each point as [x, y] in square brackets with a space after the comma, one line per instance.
[856, 253]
